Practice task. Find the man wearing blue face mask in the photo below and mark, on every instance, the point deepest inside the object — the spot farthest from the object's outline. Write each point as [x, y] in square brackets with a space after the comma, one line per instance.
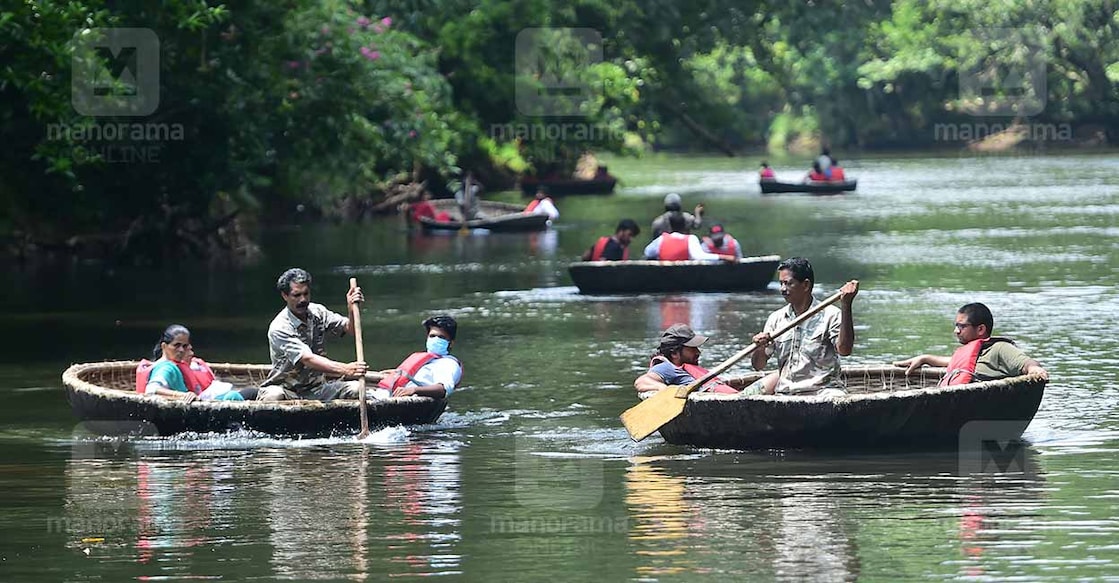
[434, 373]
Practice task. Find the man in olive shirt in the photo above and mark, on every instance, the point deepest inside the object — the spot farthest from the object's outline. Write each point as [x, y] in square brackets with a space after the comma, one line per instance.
[998, 359]
[297, 345]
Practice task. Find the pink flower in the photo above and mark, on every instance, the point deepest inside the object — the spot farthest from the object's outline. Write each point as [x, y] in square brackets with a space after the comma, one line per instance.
[386, 22]
[370, 54]
[363, 22]
[412, 134]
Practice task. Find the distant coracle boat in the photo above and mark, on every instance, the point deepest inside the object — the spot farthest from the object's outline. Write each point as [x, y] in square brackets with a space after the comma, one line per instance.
[884, 408]
[569, 186]
[612, 277]
[775, 187]
[104, 395]
[493, 216]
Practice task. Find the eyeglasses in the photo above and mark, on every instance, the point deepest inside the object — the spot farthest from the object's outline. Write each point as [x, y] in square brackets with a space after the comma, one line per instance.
[961, 326]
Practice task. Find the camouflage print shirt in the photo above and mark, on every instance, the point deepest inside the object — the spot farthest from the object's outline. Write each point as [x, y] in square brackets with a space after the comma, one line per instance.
[290, 338]
[806, 355]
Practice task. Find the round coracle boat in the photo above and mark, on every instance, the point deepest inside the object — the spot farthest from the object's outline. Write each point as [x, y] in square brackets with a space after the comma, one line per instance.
[883, 408]
[103, 395]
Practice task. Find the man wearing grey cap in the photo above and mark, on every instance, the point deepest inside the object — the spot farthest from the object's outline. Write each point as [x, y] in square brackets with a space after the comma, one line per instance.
[677, 363]
[672, 205]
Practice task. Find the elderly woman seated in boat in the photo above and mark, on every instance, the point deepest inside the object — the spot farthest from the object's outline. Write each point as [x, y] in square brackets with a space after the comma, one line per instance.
[178, 374]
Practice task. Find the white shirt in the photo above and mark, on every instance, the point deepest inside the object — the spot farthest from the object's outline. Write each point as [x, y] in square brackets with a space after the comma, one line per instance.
[546, 207]
[695, 250]
[445, 371]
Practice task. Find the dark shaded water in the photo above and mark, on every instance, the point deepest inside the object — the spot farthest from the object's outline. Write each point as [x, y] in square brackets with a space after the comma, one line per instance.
[529, 474]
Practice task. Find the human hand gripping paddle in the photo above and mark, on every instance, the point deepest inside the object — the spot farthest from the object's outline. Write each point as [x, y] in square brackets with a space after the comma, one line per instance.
[360, 358]
[646, 417]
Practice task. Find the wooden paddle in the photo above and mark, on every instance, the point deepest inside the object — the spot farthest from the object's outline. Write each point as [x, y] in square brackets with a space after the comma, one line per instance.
[361, 358]
[648, 416]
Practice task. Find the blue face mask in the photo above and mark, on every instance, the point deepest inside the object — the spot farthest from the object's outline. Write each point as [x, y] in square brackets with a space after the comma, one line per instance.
[437, 345]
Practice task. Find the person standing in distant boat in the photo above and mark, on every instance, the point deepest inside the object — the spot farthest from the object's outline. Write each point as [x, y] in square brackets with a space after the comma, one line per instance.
[672, 204]
[807, 356]
[981, 357]
[719, 242]
[297, 345]
[767, 173]
[680, 245]
[542, 204]
[433, 373]
[616, 247]
[467, 197]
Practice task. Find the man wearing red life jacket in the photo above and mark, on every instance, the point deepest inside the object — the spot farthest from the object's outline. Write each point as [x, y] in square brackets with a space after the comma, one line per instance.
[432, 373]
[679, 245]
[614, 248]
[719, 242]
[677, 363]
[542, 205]
[981, 356]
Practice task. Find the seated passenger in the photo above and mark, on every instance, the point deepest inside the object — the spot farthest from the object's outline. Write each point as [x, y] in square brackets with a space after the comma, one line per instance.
[542, 205]
[679, 245]
[433, 373]
[178, 374]
[767, 172]
[421, 208]
[816, 175]
[719, 242]
[615, 248]
[677, 363]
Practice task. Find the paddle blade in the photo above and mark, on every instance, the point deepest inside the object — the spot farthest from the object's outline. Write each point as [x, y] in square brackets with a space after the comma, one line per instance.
[646, 417]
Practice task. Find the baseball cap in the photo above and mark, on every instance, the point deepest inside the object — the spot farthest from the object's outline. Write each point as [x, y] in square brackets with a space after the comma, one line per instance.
[716, 229]
[683, 335]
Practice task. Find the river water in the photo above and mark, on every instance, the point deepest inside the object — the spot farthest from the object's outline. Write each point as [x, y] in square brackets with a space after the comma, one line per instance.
[529, 475]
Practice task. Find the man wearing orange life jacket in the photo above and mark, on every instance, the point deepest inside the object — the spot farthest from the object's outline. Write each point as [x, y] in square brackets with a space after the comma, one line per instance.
[677, 363]
[542, 205]
[614, 248]
[981, 356]
[679, 245]
[719, 242]
[433, 373]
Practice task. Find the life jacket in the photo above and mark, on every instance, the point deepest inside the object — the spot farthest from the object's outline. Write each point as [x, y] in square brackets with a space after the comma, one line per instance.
[674, 247]
[768, 174]
[817, 177]
[837, 174]
[729, 248]
[421, 209]
[442, 217]
[714, 385]
[197, 375]
[535, 203]
[600, 248]
[406, 371]
[961, 367]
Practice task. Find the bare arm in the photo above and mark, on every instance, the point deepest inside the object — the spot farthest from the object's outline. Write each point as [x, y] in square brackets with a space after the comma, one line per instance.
[846, 342]
[157, 389]
[435, 391]
[333, 367]
[912, 364]
[1034, 367]
[758, 358]
[353, 296]
[649, 381]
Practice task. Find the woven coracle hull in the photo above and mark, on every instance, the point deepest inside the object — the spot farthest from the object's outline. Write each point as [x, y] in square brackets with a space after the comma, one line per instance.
[883, 409]
[612, 277]
[103, 394]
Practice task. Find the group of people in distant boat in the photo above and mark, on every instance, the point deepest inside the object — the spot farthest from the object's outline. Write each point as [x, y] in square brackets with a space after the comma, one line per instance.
[301, 368]
[467, 197]
[825, 168]
[672, 238]
[808, 357]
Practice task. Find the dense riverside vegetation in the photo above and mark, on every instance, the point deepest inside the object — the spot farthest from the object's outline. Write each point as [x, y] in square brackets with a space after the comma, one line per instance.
[260, 106]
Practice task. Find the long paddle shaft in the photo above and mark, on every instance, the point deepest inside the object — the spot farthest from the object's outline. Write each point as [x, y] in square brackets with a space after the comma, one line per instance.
[683, 392]
[648, 416]
[361, 358]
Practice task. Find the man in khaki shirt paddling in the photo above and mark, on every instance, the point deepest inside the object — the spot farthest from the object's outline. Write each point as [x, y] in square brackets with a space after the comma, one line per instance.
[808, 355]
[297, 345]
